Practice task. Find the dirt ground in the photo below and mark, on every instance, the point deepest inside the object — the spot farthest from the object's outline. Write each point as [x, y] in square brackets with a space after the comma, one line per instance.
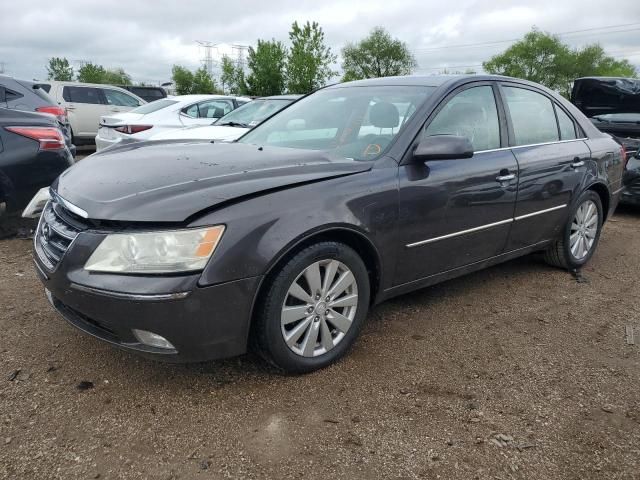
[517, 372]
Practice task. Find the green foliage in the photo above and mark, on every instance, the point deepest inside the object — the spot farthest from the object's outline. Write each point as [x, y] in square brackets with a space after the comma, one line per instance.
[202, 82]
[309, 60]
[116, 76]
[91, 73]
[232, 77]
[187, 82]
[182, 79]
[378, 55]
[266, 68]
[59, 69]
[543, 58]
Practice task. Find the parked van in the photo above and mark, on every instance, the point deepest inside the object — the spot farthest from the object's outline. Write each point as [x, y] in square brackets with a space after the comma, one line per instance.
[87, 102]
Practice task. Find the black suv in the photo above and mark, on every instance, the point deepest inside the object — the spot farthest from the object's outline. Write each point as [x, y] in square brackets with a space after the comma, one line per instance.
[613, 106]
[31, 97]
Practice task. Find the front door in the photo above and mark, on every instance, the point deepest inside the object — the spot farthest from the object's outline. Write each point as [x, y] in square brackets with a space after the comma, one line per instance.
[457, 212]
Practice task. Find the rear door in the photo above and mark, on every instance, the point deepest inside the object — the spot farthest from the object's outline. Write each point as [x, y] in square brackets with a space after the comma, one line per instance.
[457, 212]
[552, 161]
[84, 105]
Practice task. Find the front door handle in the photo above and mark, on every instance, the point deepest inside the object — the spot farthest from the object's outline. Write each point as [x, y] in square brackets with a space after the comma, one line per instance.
[505, 178]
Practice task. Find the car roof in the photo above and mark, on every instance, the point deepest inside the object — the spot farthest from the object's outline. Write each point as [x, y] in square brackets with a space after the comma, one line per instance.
[606, 78]
[197, 97]
[423, 80]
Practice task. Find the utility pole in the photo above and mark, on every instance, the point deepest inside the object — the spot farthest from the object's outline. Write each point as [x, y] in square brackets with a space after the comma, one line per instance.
[239, 51]
[208, 60]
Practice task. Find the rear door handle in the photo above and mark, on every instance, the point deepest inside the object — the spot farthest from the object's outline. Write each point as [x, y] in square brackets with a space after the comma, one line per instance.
[577, 163]
[505, 178]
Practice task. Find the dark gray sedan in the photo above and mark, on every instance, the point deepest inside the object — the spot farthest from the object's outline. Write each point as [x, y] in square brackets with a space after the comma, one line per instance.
[357, 193]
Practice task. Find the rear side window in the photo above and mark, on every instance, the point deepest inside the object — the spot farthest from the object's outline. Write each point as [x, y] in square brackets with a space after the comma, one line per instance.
[11, 95]
[473, 114]
[119, 99]
[209, 109]
[567, 127]
[532, 116]
[82, 95]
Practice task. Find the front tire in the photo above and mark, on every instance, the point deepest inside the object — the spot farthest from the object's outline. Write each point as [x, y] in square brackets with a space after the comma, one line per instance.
[581, 234]
[313, 308]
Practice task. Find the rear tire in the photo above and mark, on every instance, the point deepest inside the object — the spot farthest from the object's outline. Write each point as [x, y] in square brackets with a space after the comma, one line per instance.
[580, 235]
[313, 308]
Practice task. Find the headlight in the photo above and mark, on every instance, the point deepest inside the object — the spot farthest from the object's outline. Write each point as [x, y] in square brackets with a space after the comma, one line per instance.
[156, 252]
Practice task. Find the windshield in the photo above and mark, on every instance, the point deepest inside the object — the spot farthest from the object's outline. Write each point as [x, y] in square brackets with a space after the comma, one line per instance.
[153, 106]
[353, 122]
[252, 113]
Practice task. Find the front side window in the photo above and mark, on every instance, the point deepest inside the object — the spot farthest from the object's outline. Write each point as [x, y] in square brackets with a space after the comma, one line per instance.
[353, 122]
[567, 127]
[473, 114]
[82, 95]
[532, 116]
[120, 99]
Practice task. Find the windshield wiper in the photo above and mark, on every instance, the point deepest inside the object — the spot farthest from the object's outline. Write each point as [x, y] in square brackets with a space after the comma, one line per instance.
[233, 124]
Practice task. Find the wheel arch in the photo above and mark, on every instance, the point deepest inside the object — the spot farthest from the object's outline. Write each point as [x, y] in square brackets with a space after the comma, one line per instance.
[605, 197]
[348, 235]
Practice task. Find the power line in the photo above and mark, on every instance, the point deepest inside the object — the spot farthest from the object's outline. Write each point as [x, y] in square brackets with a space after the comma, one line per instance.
[498, 42]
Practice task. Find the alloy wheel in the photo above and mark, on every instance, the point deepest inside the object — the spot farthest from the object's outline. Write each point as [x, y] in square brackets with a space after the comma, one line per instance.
[584, 229]
[319, 308]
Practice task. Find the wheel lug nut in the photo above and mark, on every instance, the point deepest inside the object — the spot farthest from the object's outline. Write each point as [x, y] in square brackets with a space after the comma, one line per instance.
[328, 299]
[326, 312]
[310, 309]
[318, 296]
[317, 319]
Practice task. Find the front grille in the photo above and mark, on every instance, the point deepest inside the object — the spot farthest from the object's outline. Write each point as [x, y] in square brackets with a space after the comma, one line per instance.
[57, 229]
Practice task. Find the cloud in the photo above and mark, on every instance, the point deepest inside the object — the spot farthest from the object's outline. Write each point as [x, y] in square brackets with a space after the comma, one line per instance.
[147, 37]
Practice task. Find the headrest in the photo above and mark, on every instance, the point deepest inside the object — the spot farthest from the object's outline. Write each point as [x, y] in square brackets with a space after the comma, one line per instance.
[467, 111]
[384, 115]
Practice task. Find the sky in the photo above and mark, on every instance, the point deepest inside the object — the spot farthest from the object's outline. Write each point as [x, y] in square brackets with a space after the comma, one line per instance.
[147, 37]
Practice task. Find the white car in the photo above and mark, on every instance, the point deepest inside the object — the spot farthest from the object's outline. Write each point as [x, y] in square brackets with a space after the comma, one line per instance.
[162, 115]
[87, 102]
[233, 125]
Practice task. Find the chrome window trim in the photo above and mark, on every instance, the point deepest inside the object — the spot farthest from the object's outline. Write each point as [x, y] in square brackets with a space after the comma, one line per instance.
[532, 145]
[484, 227]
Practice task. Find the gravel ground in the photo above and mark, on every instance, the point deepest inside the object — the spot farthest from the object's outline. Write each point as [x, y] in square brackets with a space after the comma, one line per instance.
[519, 371]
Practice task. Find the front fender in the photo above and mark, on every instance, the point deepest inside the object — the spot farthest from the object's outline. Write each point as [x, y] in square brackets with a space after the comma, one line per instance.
[261, 230]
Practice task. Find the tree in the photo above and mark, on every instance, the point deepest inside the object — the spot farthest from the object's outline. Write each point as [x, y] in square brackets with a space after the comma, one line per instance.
[232, 77]
[116, 76]
[543, 58]
[378, 55]
[59, 69]
[266, 68]
[91, 73]
[202, 82]
[309, 60]
[182, 79]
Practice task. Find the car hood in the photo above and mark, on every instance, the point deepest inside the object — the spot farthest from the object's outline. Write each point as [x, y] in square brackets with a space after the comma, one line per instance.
[209, 132]
[170, 182]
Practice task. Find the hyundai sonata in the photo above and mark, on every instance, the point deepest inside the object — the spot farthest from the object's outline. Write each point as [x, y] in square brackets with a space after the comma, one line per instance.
[357, 193]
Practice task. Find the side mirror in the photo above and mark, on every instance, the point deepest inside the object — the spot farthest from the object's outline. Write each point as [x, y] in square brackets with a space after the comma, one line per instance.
[443, 147]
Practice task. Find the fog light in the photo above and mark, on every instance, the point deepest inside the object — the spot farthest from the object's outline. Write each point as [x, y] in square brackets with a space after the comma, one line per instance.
[152, 339]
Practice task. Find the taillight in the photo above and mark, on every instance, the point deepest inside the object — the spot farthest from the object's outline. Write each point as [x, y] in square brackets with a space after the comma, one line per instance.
[50, 138]
[625, 157]
[131, 129]
[59, 112]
